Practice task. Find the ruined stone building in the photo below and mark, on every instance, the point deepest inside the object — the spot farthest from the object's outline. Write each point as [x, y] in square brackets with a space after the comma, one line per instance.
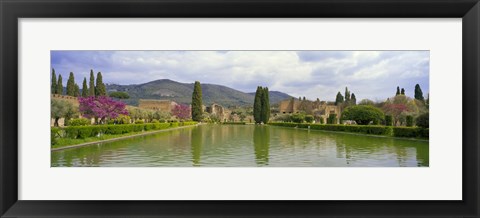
[315, 108]
[157, 105]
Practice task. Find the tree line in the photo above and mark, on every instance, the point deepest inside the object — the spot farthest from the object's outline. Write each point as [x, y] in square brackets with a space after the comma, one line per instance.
[96, 88]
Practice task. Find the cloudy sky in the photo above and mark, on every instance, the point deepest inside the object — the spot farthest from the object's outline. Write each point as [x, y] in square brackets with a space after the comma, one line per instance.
[314, 74]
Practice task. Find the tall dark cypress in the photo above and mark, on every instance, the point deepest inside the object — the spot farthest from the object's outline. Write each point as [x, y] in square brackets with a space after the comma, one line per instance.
[353, 99]
[266, 105]
[398, 91]
[77, 91]
[59, 85]
[257, 105]
[84, 88]
[100, 89]
[197, 102]
[347, 95]
[419, 93]
[91, 90]
[53, 88]
[71, 85]
[339, 99]
[402, 92]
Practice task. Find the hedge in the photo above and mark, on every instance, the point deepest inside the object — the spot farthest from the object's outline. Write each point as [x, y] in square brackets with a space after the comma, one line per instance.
[410, 132]
[82, 132]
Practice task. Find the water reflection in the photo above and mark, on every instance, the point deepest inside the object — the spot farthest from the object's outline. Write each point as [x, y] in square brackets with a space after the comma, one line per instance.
[261, 143]
[231, 145]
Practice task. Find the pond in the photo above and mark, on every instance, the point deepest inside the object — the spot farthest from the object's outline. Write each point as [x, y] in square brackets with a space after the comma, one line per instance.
[215, 145]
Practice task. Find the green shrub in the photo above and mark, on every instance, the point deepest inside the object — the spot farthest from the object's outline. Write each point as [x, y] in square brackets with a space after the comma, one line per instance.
[139, 122]
[410, 132]
[423, 120]
[297, 118]
[362, 114]
[388, 120]
[235, 123]
[332, 119]
[79, 122]
[54, 135]
[155, 121]
[409, 120]
[309, 118]
[365, 129]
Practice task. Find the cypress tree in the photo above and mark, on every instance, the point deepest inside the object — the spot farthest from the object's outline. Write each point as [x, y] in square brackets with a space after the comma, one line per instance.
[403, 91]
[353, 100]
[71, 85]
[257, 105]
[54, 82]
[91, 90]
[339, 99]
[347, 95]
[265, 106]
[84, 88]
[77, 91]
[100, 89]
[59, 85]
[398, 91]
[418, 93]
[197, 102]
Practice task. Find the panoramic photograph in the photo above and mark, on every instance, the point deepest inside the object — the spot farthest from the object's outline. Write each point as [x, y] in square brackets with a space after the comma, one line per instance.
[307, 108]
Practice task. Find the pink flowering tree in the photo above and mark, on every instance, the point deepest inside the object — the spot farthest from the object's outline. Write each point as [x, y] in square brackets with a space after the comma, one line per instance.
[181, 111]
[101, 107]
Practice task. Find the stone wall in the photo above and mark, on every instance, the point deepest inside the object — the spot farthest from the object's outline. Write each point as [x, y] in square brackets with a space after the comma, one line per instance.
[157, 105]
[316, 108]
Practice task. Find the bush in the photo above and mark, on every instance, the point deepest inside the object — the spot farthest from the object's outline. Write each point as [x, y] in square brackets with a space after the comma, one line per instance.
[409, 120]
[423, 120]
[297, 118]
[79, 122]
[309, 118]
[388, 120]
[120, 95]
[410, 132]
[234, 123]
[362, 114]
[139, 122]
[332, 119]
[54, 135]
[375, 130]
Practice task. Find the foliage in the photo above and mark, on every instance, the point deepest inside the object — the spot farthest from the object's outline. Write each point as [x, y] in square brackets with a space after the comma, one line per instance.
[418, 93]
[388, 120]
[59, 85]
[309, 118]
[123, 119]
[409, 120]
[283, 118]
[423, 120]
[100, 89]
[362, 114]
[71, 85]
[77, 91]
[339, 99]
[410, 132]
[398, 91]
[53, 87]
[84, 88]
[332, 119]
[402, 92]
[79, 122]
[347, 95]
[257, 105]
[181, 111]
[102, 107]
[139, 122]
[61, 109]
[353, 100]
[197, 104]
[370, 129]
[120, 95]
[235, 123]
[265, 106]
[91, 90]
[297, 118]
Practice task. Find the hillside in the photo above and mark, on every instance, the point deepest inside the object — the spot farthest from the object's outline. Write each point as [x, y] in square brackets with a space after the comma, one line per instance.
[182, 93]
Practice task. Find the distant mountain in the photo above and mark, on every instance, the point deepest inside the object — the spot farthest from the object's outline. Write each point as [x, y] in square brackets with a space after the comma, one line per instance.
[166, 89]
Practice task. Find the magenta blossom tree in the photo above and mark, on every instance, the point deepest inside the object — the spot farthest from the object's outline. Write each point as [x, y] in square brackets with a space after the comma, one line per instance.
[101, 107]
[181, 111]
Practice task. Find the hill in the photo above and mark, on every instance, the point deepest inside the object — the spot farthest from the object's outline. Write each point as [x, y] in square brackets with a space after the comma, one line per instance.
[166, 89]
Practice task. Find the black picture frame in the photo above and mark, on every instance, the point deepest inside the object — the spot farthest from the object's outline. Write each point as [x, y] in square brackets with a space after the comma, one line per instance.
[11, 11]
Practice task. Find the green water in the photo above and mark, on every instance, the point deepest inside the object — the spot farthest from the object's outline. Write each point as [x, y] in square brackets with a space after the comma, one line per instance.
[248, 146]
